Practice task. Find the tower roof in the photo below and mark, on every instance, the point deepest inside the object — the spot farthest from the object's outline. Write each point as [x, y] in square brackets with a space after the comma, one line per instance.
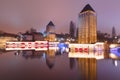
[87, 8]
[50, 24]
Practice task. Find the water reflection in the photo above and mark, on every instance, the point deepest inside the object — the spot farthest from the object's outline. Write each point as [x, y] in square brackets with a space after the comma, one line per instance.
[115, 63]
[87, 68]
[72, 62]
[29, 54]
[115, 53]
[50, 58]
[56, 65]
[32, 54]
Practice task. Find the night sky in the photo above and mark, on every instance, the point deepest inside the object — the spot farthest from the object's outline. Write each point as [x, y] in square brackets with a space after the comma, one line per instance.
[20, 15]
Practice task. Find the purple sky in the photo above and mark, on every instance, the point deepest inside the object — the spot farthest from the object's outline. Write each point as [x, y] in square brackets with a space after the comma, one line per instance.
[20, 15]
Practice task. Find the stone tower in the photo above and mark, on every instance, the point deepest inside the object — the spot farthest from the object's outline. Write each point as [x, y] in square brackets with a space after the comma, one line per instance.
[50, 32]
[87, 26]
[50, 28]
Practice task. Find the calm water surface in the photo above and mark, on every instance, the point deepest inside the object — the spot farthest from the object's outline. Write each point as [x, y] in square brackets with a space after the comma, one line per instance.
[31, 65]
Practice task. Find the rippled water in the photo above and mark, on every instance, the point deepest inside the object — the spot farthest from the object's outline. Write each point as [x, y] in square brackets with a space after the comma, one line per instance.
[31, 65]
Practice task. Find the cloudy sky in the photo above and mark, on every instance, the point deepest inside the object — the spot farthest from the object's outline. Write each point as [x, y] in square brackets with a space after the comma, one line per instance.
[20, 15]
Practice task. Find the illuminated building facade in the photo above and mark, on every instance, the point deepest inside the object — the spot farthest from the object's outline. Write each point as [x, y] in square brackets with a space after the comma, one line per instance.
[6, 37]
[51, 37]
[50, 32]
[87, 25]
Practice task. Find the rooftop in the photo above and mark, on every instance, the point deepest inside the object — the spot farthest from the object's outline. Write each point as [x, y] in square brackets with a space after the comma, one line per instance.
[50, 24]
[87, 8]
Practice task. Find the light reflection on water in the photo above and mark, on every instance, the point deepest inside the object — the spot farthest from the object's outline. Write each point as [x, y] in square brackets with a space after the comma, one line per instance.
[52, 65]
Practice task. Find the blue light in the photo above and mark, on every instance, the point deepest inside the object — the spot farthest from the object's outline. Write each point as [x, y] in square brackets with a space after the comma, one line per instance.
[115, 51]
[62, 47]
[44, 56]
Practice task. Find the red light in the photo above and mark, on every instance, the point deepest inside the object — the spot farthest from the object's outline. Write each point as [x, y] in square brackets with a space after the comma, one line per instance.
[29, 45]
[41, 45]
[13, 45]
[86, 49]
[22, 45]
[80, 49]
[47, 45]
[76, 50]
[36, 45]
[7, 45]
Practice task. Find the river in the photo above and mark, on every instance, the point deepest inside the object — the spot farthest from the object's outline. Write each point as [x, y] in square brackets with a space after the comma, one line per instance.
[49, 65]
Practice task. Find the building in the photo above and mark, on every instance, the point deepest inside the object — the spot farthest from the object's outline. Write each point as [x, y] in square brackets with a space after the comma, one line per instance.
[72, 29]
[37, 36]
[50, 28]
[113, 32]
[50, 32]
[51, 37]
[7, 37]
[34, 36]
[27, 37]
[87, 25]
